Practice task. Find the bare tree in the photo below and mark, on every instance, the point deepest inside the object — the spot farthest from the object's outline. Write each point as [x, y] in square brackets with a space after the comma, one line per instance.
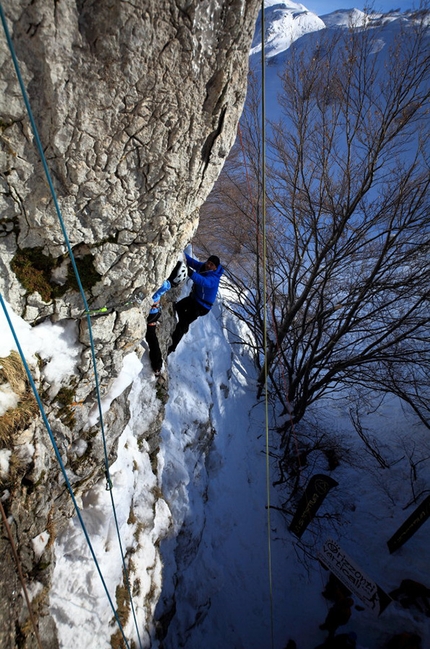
[347, 224]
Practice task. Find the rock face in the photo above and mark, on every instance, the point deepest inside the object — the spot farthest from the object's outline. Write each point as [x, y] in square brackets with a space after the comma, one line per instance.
[136, 105]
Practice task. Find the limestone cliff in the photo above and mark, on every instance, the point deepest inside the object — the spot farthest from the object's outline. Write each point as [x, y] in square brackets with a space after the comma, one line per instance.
[137, 106]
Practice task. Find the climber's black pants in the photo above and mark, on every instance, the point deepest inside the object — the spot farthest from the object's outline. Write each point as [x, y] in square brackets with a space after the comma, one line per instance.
[188, 310]
[154, 347]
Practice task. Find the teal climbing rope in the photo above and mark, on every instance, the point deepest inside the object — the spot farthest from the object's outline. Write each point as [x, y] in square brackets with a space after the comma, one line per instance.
[81, 290]
[60, 462]
[58, 211]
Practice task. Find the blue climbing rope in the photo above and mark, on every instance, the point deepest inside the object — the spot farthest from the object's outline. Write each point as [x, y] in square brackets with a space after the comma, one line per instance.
[81, 290]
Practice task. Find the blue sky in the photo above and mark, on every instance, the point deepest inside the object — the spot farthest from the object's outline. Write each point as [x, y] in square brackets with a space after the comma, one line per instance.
[321, 7]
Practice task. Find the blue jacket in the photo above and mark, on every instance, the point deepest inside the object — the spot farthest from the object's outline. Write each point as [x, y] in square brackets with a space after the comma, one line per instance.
[157, 295]
[206, 282]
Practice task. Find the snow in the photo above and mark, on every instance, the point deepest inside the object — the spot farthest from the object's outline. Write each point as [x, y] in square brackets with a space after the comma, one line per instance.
[39, 543]
[61, 359]
[287, 22]
[4, 462]
[229, 477]
[22, 328]
[34, 590]
[78, 601]
[8, 398]
[345, 18]
[55, 344]
[225, 574]
[129, 372]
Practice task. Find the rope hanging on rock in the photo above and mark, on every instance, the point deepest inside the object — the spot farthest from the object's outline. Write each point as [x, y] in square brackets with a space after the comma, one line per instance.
[59, 215]
[263, 246]
[59, 460]
[88, 317]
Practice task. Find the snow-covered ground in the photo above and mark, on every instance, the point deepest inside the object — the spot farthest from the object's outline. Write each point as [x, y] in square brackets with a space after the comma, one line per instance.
[221, 548]
[219, 562]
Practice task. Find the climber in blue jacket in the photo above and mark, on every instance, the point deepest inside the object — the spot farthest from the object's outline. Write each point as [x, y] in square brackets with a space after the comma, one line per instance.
[205, 277]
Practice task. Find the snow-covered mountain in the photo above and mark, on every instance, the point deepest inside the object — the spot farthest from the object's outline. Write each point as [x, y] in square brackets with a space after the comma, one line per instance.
[288, 23]
[285, 22]
[348, 18]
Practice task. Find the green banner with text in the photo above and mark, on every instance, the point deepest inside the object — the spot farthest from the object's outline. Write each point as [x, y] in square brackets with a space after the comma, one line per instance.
[410, 526]
[317, 489]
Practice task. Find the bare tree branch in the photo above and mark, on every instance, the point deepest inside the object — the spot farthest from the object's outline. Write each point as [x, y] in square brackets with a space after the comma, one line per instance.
[348, 232]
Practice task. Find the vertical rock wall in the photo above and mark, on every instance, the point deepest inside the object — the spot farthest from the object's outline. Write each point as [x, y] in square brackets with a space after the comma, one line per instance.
[137, 106]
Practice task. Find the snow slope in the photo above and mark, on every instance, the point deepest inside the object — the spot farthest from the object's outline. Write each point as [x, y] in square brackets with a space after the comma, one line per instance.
[220, 549]
[218, 563]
